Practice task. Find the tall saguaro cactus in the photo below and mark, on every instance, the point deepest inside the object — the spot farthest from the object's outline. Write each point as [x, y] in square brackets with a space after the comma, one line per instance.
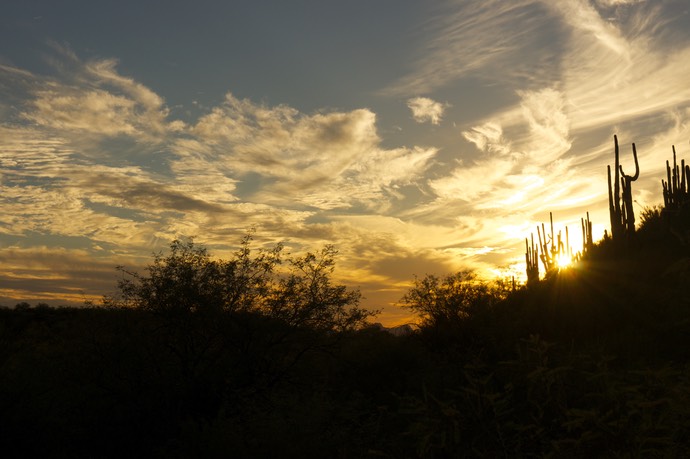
[677, 188]
[621, 208]
[677, 199]
[587, 241]
[552, 251]
[552, 247]
[532, 262]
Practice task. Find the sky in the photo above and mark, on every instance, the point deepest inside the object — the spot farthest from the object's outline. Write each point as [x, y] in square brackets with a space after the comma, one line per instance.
[418, 137]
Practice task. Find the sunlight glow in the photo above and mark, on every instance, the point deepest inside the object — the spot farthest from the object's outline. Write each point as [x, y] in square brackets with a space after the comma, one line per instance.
[564, 261]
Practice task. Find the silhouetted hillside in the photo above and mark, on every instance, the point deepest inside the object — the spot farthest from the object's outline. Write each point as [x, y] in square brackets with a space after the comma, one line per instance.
[591, 361]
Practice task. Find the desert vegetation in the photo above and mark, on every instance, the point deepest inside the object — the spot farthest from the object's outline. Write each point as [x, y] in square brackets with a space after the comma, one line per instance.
[263, 355]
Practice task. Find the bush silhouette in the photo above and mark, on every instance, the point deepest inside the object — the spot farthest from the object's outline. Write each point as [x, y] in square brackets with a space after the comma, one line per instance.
[189, 281]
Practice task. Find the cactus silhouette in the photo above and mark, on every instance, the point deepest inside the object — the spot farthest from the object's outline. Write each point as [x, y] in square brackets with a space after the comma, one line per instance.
[550, 251]
[677, 199]
[532, 262]
[552, 247]
[621, 208]
[587, 241]
[677, 188]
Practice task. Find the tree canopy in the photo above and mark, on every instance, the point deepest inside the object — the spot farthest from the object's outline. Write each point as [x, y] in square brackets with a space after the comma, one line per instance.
[297, 290]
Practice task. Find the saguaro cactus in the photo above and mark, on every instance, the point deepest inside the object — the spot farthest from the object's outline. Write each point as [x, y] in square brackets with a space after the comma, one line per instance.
[551, 246]
[677, 199]
[621, 210]
[677, 188]
[532, 262]
[553, 252]
[587, 242]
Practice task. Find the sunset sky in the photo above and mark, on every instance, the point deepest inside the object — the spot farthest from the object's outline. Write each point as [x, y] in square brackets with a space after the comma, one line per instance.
[418, 137]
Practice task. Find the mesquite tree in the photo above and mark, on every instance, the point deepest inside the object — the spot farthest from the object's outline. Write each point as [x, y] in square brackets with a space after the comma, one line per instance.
[188, 280]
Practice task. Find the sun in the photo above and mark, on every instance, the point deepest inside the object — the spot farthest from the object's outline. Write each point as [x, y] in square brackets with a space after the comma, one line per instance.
[564, 261]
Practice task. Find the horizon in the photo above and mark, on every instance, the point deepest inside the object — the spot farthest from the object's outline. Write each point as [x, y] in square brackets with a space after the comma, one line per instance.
[417, 138]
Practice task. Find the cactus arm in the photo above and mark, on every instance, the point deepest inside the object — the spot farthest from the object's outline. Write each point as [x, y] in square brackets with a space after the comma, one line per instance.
[682, 176]
[665, 193]
[674, 182]
[531, 261]
[616, 183]
[587, 237]
[637, 167]
[612, 209]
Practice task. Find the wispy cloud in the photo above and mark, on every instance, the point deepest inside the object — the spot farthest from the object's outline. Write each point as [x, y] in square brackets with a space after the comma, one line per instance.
[611, 71]
[467, 37]
[54, 275]
[426, 110]
[283, 143]
[321, 160]
[92, 99]
[610, 3]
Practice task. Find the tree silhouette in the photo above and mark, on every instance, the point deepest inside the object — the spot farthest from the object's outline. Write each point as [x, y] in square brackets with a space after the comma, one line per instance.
[453, 298]
[307, 297]
[188, 280]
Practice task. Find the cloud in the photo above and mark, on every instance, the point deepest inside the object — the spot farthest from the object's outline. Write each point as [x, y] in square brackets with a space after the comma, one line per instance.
[322, 160]
[468, 183]
[55, 275]
[463, 40]
[281, 142]
[610, 3]
[88, 99]
[426, 110]
[94, 111]
[587, 22]
[548, 124]
[488, 138]
[613, 71]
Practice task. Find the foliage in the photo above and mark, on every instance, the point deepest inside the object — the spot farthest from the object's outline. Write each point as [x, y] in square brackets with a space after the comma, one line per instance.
[650, 216]
[452, 298]
[188, 280]
[653, 225]
[307, 297]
